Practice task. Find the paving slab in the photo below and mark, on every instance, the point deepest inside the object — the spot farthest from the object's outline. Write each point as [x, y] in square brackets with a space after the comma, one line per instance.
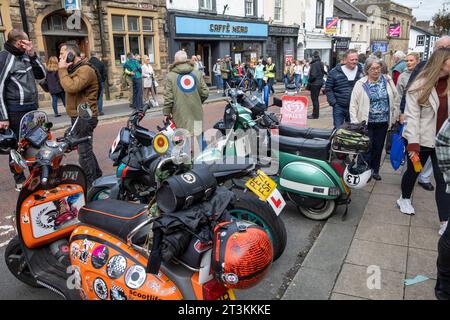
[383, 232]
[420, 291]
[353, 281]
[355, 209]
[426, 215]
[339, 296]
[423, 238]
[310, 284]
[383, 208]
[387, 169]
[386, 256]
[422, 262]
[385, 188]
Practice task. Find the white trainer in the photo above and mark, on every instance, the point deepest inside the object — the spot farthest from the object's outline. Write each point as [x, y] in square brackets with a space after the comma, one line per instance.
[443, 228]
[405, 206]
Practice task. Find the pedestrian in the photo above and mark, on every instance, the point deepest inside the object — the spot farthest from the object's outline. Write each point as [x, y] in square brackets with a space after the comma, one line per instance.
[399, 65]
[20, 67]
[442, 288]
[305, 79]
[134, 69]
[269, 73]
[362, 60]
[225, 69]
[384, 67]
[426, 110]
[298, 70]
[374, 99]
[148, 78]
[339, 86]
[287, 74]
[424, 179]
[236, 75]
[218, 75]
[315, 82]
[259, 75]
[411, 59]
[100, 66]
[53, 86]
[183, 99]
[201, 66]
[127, 79]
[80, 80]
[82, 55]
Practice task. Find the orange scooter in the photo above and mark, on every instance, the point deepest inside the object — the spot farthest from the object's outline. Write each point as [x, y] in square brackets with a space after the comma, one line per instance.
[102, 253]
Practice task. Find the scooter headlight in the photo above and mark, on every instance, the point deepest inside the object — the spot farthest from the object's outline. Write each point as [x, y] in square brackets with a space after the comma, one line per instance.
[160, 143]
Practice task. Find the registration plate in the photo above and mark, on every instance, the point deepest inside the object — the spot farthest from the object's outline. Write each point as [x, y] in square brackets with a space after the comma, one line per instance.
[261, 185]
[229, 295]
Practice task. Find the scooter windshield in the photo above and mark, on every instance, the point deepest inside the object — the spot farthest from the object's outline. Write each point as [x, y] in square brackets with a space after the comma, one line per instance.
[31, 120]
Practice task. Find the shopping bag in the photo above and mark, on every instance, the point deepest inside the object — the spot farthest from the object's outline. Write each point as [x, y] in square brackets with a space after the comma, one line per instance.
[397, 149]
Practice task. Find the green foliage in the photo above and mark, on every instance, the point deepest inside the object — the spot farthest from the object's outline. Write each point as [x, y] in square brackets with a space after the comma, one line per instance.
[441, 23]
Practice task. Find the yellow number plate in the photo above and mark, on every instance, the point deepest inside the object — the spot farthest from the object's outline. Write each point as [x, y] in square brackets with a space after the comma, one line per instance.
[229, 295]
[261, 185]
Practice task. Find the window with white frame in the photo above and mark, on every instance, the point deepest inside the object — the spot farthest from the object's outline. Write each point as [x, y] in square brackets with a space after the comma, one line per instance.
[278, 10]
[420, 40]
[320, 7]
[206, 4]
[249, 7]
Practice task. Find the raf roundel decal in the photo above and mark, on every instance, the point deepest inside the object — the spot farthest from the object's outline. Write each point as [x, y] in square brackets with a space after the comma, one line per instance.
[186, 83]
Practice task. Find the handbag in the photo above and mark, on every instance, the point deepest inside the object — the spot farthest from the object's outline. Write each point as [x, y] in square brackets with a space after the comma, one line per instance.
[393, 130]
[397, 149]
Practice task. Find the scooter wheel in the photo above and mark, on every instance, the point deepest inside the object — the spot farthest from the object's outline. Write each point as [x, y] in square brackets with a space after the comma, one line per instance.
[98, 193]
[321, 212]
[17, 265]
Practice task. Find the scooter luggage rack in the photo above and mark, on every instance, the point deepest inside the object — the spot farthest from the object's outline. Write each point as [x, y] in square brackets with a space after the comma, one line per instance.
[343, 151]
[141, 250]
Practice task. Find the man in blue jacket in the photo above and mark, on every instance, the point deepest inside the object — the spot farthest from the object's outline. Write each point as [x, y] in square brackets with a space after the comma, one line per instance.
[339, 86]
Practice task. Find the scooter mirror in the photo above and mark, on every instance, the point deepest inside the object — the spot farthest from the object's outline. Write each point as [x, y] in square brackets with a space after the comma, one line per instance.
[17, 158]
[277, 102]
[84, 111]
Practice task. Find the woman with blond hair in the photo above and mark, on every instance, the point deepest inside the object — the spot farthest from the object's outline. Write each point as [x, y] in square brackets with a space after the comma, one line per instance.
[53, 85]
[427, 102]
[412, 59]
[148, 76]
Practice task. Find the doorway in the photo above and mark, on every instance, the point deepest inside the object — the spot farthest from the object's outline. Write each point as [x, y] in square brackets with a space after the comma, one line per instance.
[204, 49]
[52, 44]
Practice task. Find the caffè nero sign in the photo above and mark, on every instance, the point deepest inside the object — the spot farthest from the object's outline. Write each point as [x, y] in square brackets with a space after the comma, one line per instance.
[187, 26]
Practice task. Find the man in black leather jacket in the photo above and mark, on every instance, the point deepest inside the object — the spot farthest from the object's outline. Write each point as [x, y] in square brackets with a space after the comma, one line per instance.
[19, 69]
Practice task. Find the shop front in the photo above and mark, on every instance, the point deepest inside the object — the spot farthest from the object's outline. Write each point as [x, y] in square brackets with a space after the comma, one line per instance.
[212, 38]
[311, 42]
[340, 46]
[281, 46]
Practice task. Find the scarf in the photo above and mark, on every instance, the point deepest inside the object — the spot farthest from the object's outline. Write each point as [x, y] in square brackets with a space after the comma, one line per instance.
[13, 50]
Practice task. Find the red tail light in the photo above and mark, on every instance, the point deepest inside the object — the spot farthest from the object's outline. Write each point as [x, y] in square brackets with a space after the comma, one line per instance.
[338, 166]
[213, 290]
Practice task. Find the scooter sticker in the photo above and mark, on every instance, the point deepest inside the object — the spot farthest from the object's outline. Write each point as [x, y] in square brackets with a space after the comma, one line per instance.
[135, 277]
[83, 295]
[116, 266]
[188, 178]
[99, 256]
[84, 254]
[117, 293]
[100, 288]
[276, 201]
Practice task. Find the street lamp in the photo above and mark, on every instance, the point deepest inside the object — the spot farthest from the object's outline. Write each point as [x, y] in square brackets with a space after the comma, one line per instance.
[23, 14]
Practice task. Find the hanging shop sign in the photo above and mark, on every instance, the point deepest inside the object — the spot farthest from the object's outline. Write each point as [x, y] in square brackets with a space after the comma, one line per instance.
[331, 25]
[394, 30]
[72, 5]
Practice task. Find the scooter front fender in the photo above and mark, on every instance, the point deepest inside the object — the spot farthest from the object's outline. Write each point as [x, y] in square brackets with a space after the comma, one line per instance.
[309, 179]
[111, 182]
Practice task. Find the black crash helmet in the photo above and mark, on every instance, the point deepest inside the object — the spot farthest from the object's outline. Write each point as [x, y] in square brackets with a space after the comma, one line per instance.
[8, 141]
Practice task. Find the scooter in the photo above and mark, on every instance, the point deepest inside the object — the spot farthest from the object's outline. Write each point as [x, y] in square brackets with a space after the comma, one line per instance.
[309, 172]
[102, 254]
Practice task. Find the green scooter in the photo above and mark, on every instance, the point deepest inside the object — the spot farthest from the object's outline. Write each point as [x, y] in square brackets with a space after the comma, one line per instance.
[308, 171]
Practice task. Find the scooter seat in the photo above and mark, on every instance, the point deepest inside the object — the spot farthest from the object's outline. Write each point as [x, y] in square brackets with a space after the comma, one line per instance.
[307, 133]
[309, 148]
[113, 216]
[230, 168]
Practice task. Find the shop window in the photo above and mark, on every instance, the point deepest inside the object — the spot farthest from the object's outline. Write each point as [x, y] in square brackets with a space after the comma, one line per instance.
[134, 44]
[250, 7]
[147, 24]
[319, 13]
[133, 24]
[149, 49]
[119, 48]
[118, 23]
[206, 4]
[278, 10]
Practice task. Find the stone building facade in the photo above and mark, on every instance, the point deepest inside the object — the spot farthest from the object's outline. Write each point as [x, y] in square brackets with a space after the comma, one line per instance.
[127, 26]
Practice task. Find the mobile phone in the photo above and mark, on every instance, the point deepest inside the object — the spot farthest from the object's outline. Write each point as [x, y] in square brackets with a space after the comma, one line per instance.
[70, 57]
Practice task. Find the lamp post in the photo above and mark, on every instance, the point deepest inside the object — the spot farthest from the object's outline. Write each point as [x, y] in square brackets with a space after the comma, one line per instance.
[23, 14]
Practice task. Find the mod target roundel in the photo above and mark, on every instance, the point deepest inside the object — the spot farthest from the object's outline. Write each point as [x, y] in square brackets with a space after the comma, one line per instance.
[186, 83]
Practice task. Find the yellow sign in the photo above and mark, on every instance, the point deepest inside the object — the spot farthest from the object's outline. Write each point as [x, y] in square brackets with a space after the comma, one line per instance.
[261, 185]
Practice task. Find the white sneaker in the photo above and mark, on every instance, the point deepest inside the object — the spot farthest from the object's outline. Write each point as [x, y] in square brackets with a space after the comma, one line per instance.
[405, 206]
[443, 228]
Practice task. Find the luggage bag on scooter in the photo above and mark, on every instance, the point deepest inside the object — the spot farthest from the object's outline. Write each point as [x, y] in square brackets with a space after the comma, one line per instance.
[350, 141]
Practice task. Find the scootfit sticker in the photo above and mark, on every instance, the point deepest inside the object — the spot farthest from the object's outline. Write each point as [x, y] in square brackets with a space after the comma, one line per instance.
[101, 289]
[186, 83]
[99, 256]
[135, 277]
[116, 266]
[276, 201]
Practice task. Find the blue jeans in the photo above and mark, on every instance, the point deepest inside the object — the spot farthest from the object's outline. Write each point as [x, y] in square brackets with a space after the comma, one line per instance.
[100, 97]
[138, 93]
[219, 81]
[260, 85]
[340, 115]
[297, 80]
[55, 97]
[271, 89]
[287, 79]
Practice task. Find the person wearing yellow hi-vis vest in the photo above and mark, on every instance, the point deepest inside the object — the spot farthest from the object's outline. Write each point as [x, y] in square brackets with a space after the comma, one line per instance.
[269, 73]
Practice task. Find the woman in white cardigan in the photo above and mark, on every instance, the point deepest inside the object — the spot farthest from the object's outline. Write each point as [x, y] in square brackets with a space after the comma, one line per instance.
[375, 100]
[147, 76]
